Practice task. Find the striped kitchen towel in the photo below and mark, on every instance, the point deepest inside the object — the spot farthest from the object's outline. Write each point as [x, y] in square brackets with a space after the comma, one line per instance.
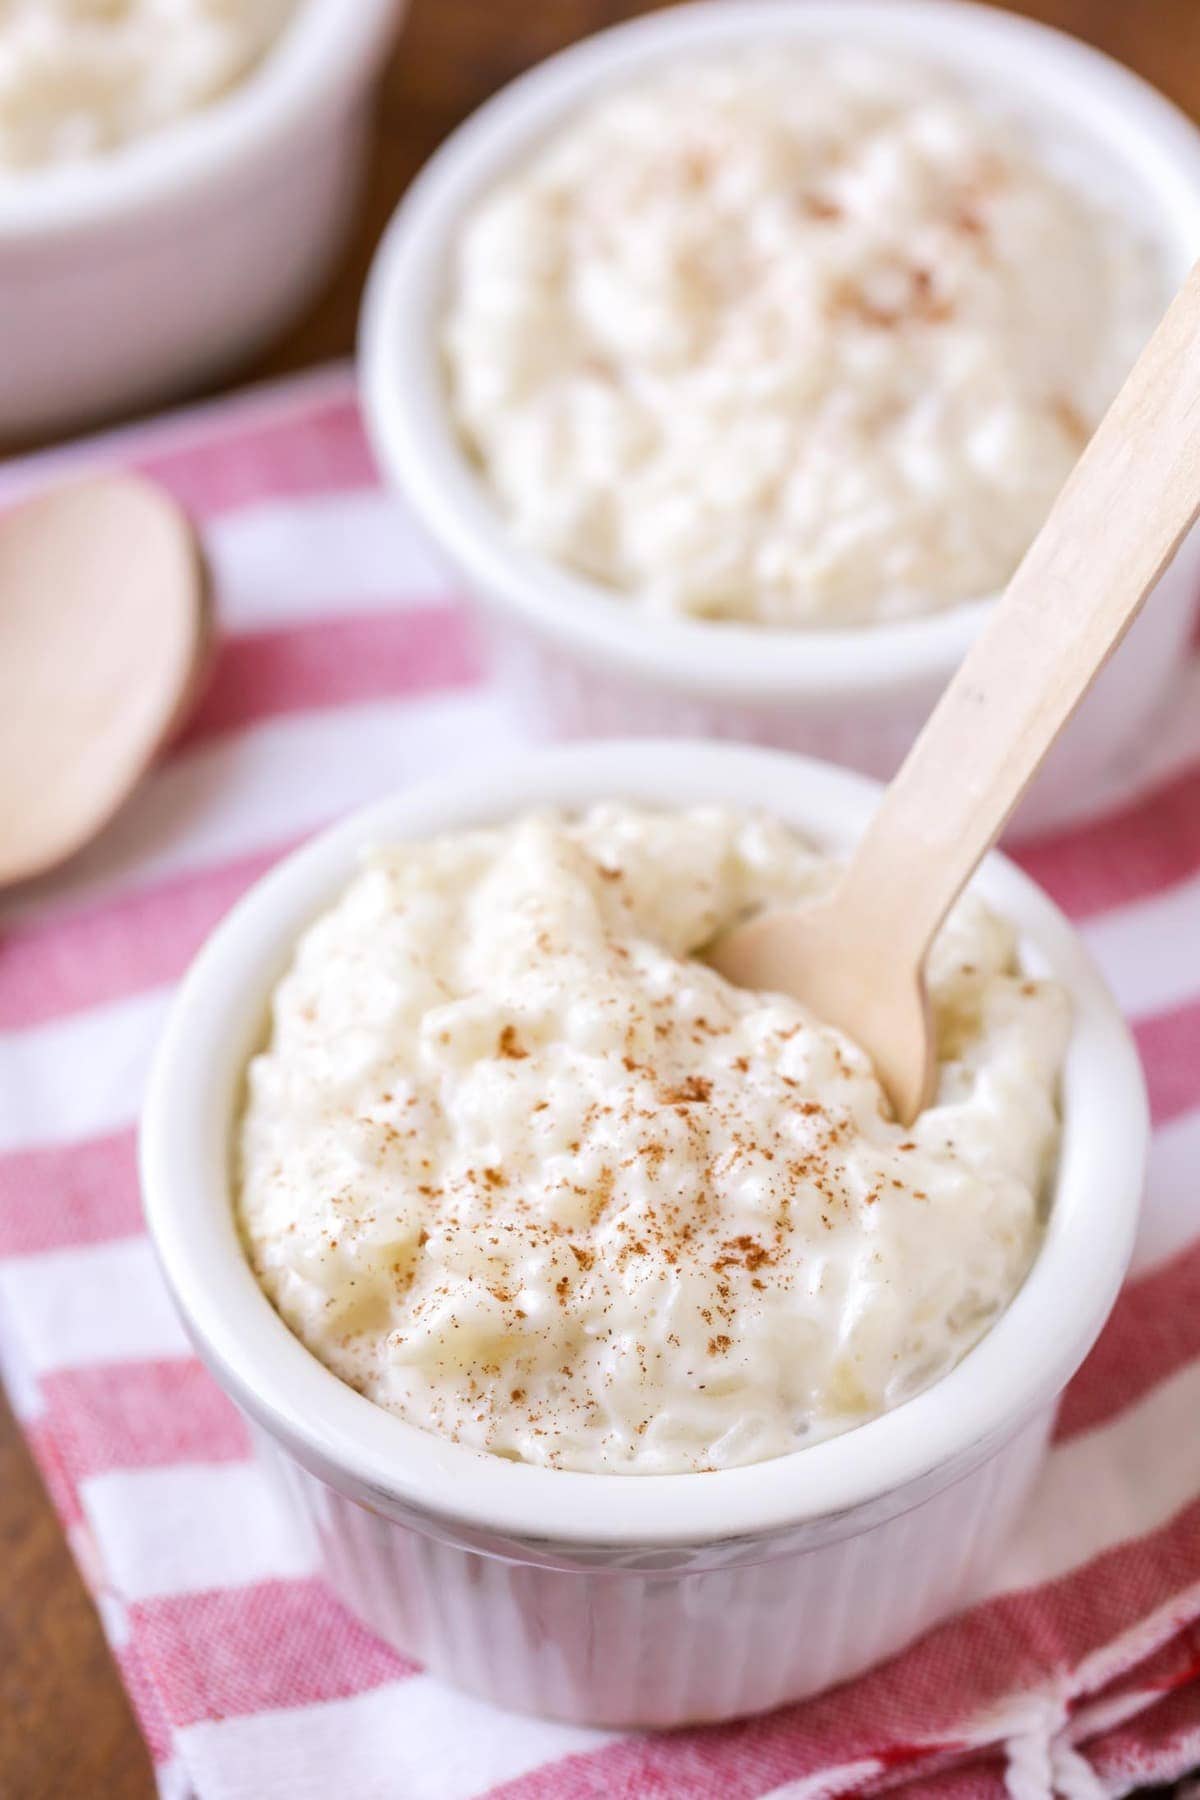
[346, 667]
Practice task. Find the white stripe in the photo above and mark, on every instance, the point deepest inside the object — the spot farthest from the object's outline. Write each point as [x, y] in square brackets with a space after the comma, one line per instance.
[846, 1779]
[1171, 1210]
[1109, 1485]
[101, 1303]
[114, 1616]
[17, 1378]
[174, 1781]
[281, 778]
[291, 560]
[80, 1076]
[414, 1739]
[191, 1526]
[1147, 949]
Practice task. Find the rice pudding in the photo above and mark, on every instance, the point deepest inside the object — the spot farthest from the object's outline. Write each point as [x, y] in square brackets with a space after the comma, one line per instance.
[801, 337]
[81, 77]
[519, 1166]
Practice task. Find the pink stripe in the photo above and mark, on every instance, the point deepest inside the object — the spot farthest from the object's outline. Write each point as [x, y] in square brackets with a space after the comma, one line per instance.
[139, 1684]
[299, 401]
[1124, 857]
[1004, 1647]
[73, 1194]
[43, 1445]
[124, 945]
[1153, 1332]
[282, 457]
[336, 662]
[139, 1415]
[1169, 1044]
[235, 1651]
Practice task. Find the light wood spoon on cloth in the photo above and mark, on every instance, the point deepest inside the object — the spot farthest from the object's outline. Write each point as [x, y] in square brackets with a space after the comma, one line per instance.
[104, 633]
[857, 958]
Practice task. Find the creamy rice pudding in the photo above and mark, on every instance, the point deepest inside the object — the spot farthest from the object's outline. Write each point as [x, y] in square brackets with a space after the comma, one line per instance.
[80, 77]
[522, 1169]
[804, 336]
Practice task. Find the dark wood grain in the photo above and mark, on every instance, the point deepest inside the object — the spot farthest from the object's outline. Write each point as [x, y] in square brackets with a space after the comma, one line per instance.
[66, 1732]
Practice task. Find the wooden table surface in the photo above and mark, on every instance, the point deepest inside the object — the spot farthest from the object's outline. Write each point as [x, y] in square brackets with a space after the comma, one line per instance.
[66, 1730]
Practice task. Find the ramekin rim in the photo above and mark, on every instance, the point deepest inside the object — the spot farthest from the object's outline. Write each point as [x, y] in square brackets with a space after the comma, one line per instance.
[321, 52]
[1043, 1335]
[403, 400]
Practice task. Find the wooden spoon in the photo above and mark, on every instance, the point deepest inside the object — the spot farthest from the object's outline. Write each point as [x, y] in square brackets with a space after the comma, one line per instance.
[104, 632]
[857, 959]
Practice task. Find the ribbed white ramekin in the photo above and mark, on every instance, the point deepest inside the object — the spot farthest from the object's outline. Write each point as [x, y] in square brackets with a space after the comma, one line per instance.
[638, 1599]
[623, 1647]
[128, 276]
[581, 662]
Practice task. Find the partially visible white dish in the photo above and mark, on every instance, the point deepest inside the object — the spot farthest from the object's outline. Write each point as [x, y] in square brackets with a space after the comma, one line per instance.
[128, 275]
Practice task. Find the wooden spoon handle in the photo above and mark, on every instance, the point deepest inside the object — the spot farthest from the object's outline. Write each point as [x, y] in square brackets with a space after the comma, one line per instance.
[1114, 528]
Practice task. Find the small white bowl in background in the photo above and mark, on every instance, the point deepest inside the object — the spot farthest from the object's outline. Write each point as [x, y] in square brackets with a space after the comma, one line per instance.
[582, 661]
[624, 1599]
[129, 275]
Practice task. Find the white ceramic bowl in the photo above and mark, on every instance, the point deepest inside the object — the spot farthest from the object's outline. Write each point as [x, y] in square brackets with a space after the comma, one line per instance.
[126, 276]
[582, 661]
[638, 1599]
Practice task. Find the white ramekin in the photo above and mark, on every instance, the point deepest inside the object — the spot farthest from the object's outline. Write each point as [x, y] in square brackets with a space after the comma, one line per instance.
[581, 661]
[645, 1600]
[127, 276]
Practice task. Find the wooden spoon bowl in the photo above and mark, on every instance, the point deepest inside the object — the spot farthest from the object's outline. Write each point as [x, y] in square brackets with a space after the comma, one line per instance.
[105, 629]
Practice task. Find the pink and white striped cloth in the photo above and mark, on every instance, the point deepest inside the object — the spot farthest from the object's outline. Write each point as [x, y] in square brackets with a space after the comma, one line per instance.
[346, 667]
